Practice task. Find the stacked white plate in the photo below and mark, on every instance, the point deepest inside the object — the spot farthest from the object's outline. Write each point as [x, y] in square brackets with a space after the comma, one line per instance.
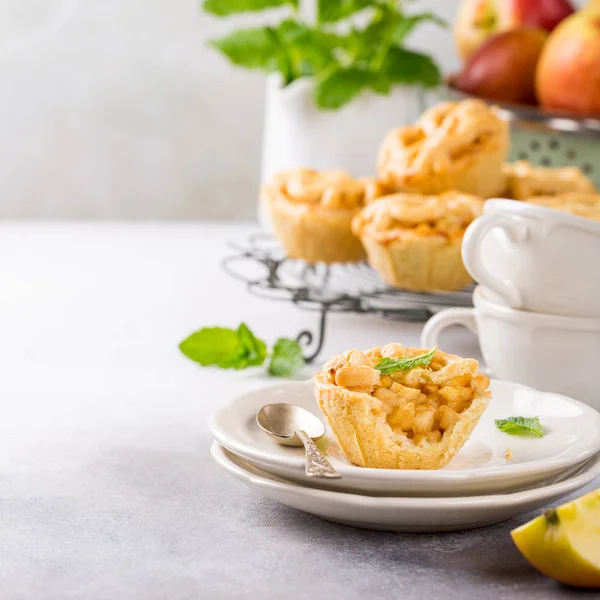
[495, 476]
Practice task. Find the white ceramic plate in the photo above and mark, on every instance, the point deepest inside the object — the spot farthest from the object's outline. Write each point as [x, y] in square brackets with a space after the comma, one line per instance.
[481, 467]
[402, 514]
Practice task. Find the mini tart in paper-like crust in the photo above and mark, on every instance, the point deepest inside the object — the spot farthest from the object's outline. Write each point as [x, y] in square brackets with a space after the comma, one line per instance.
[582, 205]
[524, 180]
[374, 416]
[414, 241]
[453, 146]
[312, 212]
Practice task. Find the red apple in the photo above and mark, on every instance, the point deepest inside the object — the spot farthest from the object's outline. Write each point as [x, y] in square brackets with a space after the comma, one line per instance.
[504, 67]
[568, 75]
[478, 20]
[545, 14]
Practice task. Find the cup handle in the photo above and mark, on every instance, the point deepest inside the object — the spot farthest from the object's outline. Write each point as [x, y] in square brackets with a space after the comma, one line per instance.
[516, 230]
[446, 318]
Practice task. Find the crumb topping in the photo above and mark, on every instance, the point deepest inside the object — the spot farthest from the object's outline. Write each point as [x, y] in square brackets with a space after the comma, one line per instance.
[327, 189]
[445, 134]
[404, 216]
[525, 180]
[582, 205]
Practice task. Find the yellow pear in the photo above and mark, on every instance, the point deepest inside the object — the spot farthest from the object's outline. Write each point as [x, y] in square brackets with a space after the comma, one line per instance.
[564, 543]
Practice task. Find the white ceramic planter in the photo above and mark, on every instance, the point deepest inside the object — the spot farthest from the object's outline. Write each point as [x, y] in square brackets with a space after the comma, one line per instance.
[298, 134]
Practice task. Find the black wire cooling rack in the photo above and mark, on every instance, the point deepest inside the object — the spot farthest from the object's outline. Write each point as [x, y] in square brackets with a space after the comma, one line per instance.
[349, 287]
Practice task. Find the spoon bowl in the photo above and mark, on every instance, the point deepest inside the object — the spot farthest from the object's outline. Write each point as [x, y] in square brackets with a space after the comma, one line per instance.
[293, 426]
[281, 421]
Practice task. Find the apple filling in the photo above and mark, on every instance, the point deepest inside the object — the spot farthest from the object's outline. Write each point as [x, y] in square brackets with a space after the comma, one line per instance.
[525, 181]
[452, 146]
[582, 205]
[328, 189]
[447, 133]
[406, 216]
[419, 404]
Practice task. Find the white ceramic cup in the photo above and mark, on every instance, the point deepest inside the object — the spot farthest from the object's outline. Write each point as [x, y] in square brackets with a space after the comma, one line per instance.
[535, 258]
[547, 352]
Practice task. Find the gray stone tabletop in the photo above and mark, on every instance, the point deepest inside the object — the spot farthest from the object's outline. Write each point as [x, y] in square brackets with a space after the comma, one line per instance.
[108, 490]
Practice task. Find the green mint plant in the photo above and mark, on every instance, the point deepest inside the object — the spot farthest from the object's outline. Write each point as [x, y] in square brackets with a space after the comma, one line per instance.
[342, 56]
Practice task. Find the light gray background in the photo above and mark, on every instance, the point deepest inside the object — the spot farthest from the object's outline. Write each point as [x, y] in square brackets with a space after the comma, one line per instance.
[118, 109]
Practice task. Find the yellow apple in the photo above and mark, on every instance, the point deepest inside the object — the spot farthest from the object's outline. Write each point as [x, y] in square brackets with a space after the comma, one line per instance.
[564, 543]
[478, 20]
[568, 73]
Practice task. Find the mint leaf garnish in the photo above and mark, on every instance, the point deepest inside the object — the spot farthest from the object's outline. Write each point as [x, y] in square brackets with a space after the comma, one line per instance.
[240, 348]
[520, 426]
[225, 348]
[286, 358]
[389, 365]
[255, 350]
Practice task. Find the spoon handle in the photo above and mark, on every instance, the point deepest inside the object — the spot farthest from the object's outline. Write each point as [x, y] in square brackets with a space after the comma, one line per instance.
[316, 464]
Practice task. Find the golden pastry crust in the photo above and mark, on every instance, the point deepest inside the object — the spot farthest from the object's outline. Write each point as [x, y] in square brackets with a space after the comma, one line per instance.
[414, 241]
[582, 205]
[312, 212]
[453, 146]
[375, 189]
[524, 180]
[414, 419]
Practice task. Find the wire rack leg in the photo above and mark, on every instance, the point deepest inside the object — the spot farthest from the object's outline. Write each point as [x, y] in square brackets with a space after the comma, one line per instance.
[306, 338]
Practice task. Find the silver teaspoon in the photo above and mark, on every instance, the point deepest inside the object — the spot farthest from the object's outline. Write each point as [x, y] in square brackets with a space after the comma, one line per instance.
[291, 425]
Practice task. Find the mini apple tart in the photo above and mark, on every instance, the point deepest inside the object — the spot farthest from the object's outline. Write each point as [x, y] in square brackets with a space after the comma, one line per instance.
[453, 146]
[401, 408]
[312, 212]
[414, 241]
[582, 205]
[524, 180]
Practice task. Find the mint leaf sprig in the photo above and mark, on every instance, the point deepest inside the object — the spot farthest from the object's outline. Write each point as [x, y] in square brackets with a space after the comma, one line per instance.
[343, 61]
[286, 358]
[520, 426]
[225, 348]
[239, 349]
[388, 365]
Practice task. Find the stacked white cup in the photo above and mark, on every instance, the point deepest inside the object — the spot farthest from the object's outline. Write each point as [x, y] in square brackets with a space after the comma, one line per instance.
[537, 306]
